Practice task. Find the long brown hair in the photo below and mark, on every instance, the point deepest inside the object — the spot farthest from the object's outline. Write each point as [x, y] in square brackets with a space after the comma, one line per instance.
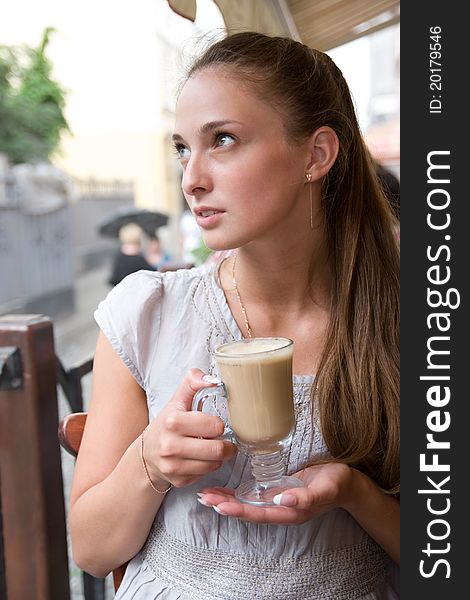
[358, 376]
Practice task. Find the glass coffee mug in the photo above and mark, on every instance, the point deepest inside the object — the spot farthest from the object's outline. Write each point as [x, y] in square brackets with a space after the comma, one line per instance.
[256, 403]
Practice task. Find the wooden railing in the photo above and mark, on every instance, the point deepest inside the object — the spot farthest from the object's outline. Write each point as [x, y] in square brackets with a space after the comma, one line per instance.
[33, 534]
[34, 544]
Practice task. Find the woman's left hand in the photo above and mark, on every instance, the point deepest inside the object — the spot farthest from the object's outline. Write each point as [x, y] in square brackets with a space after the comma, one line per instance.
[327, 486]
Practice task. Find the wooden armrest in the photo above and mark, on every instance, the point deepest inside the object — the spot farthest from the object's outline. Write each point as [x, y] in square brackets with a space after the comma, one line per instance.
[71, 430]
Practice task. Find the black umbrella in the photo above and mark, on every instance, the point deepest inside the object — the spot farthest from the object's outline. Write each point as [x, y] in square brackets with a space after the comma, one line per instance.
[149, 220]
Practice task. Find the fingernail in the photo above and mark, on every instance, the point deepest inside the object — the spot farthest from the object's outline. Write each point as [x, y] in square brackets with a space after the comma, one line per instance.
[211, 379]
[200, 494]
[285, 500]
[218, 510]
[204, 503]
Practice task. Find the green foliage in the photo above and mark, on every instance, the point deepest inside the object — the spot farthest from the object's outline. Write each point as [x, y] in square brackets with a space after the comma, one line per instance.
[31, 104]
[201, 254]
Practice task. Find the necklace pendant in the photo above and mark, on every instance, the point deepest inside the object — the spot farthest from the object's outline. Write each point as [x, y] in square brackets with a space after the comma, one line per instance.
[242, 307]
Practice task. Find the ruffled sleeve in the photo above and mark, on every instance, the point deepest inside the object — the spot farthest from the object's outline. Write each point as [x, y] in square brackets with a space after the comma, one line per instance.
[130, 318]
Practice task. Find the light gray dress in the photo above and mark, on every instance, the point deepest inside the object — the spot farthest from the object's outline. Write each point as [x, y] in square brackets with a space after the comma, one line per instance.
[161, 325]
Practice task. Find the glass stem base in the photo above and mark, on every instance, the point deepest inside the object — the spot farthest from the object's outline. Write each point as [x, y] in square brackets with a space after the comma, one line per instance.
[268, 481]
[267, 467]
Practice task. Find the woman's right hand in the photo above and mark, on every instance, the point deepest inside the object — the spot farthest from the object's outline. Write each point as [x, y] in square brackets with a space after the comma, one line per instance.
[180, 444]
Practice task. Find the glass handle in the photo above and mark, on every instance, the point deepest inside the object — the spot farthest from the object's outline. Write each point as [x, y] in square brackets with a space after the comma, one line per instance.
[213, 401]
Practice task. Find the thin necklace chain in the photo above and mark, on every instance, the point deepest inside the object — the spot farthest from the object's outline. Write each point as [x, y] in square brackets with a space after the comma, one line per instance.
[242, 307]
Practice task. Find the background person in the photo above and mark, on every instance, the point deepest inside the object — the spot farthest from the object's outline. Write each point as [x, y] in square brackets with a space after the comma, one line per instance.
[129, 258]
[270, 147]
[155, 253]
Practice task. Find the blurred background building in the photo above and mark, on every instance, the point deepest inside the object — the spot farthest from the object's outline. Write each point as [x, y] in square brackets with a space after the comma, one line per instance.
[120, 64]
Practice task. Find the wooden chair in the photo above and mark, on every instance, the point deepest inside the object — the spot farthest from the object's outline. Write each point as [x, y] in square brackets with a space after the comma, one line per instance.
[70, 437]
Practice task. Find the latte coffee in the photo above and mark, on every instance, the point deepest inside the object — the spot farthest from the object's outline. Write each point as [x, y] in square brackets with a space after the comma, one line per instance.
[257, 374]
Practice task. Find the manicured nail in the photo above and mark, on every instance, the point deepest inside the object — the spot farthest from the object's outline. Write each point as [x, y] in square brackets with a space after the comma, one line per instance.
[211, 379]
[203, 502]
[218, 510]
[285, 500]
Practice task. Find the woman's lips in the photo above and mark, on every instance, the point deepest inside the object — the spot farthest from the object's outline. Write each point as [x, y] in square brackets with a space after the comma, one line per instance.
[208, 218]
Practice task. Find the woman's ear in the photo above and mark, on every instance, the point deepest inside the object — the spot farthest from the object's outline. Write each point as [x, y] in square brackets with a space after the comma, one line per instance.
[324, 148]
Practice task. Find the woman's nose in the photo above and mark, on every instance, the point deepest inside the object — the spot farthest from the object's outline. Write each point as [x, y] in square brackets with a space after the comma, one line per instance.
[196, 176]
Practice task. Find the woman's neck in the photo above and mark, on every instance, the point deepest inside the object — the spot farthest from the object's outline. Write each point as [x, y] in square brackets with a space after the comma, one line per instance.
[277, 297]
[279, 278]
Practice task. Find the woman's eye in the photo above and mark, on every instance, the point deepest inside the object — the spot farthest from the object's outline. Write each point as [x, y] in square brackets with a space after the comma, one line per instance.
[182, 151]
[225, 139]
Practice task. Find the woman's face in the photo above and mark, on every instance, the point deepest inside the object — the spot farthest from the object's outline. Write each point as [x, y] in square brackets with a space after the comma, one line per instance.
[242, 178]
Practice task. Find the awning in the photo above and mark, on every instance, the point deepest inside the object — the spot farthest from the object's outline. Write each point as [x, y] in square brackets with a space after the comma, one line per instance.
[322, 24]
[326, 24]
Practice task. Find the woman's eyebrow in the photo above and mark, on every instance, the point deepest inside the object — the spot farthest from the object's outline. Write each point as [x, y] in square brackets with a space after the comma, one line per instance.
[176, 137]
[208, 127]
[211, 125]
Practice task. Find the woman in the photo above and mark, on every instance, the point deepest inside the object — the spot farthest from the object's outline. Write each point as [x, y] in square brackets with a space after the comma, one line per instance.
[273, 165]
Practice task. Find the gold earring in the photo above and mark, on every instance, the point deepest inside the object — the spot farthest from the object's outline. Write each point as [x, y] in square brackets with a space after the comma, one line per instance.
[308, 177]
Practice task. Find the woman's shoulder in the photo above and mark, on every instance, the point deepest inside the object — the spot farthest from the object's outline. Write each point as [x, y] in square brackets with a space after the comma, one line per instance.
[184, 276]
[142, 308]
[145, 288]
[182, 283]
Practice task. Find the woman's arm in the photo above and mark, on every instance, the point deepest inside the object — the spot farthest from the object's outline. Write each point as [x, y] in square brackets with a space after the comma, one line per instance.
[328, 486]
[376, 512]
[112, 504]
